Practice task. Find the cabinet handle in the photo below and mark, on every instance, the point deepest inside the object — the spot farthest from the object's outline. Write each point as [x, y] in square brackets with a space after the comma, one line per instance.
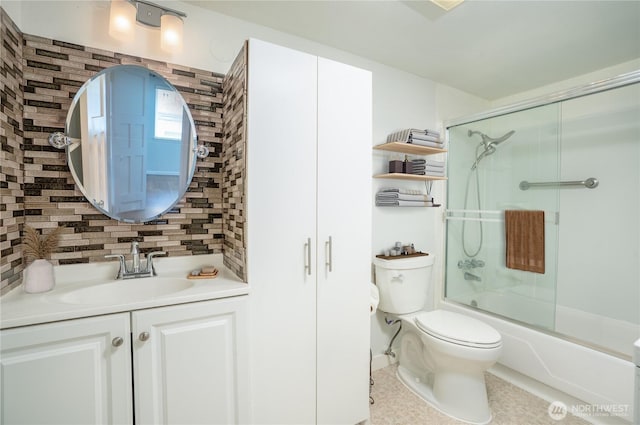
[143, 336]
[328, 245]
[117, 341]
[307, 259]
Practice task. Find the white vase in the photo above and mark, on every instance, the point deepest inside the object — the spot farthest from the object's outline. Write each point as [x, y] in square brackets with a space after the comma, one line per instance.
[38, 277]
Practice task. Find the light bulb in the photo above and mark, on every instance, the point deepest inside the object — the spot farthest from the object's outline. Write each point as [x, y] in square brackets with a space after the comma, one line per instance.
[122, 18]
[171, 33]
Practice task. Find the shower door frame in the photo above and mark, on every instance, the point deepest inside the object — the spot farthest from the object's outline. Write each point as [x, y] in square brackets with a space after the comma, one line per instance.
[622, 80]
[600, 86]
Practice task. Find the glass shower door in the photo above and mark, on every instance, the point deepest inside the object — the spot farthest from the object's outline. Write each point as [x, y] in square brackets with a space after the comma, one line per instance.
[487, 161]
[598, 296]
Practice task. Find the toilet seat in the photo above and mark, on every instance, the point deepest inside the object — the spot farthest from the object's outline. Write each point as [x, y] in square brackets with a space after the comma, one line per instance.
[458, 329]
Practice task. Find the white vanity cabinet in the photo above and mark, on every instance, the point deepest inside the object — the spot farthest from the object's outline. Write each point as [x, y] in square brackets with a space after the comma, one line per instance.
[71, 372]
[189, 363]
[309, 237]
[186, 363]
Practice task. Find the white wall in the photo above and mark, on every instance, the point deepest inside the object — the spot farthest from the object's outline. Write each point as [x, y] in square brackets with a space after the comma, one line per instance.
[212, 40]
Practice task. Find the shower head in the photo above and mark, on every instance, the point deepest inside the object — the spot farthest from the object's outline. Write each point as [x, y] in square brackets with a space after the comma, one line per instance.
[488, 143]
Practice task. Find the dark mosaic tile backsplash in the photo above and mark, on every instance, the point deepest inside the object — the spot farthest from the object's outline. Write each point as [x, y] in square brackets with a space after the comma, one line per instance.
[39, 80]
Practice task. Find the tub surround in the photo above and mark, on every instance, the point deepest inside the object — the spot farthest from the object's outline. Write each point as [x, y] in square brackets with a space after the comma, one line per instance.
[18, 308]
[42, 77]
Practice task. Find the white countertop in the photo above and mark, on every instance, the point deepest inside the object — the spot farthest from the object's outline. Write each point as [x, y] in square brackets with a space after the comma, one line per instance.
[18, 308]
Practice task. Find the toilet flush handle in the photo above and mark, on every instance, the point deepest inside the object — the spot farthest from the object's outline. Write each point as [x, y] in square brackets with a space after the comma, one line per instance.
[398, 278]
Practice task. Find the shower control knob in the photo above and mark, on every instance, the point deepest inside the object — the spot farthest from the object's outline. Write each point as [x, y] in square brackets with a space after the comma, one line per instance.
[464, 265]
[477, 263]
[143, 336]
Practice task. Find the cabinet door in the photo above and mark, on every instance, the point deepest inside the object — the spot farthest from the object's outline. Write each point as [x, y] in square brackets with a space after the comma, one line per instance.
[281, 218]
[189, 363]
[68, 372]
[344, 265]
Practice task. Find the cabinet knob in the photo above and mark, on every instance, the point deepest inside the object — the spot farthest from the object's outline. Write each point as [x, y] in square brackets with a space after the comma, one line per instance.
[143, 336]
[117, 341]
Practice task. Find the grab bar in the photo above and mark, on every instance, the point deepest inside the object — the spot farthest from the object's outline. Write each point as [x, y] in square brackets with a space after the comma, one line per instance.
[590, 183]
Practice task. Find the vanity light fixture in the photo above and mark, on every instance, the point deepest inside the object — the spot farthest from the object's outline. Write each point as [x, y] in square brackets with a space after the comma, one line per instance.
[125, 13]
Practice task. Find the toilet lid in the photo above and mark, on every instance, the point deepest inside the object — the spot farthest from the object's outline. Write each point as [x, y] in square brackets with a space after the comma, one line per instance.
[458, 329]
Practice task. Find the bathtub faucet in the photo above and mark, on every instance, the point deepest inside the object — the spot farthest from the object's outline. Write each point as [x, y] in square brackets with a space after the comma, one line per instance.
[471, 276]
[470, 264]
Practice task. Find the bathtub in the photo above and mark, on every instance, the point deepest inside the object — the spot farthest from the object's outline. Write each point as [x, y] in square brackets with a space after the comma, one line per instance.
[600, 380]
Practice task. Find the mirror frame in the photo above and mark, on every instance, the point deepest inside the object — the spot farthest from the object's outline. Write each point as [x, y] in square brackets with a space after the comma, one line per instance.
[72, 142]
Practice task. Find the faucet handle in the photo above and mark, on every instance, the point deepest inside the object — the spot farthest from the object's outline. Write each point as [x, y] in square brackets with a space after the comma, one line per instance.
[123, 267]
[150, 267]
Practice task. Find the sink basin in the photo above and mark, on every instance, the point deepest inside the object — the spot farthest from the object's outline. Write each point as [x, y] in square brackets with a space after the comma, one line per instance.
[122, 291]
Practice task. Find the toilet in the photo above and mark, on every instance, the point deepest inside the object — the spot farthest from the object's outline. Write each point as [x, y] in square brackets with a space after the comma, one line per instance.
[443, 355]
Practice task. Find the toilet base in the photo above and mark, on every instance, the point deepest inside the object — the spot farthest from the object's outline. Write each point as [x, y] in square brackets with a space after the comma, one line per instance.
[424, 390]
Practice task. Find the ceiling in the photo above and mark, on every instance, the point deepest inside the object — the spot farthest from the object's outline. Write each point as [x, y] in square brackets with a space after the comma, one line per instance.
[488, 48]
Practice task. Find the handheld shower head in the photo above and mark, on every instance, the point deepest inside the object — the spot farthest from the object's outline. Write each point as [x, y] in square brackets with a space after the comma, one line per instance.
[488, 143]
[494, 142]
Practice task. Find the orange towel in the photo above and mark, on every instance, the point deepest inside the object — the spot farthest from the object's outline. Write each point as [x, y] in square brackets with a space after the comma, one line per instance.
[524, 233]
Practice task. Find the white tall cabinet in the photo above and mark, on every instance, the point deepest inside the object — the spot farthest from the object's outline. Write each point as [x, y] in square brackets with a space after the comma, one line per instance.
[309, 237]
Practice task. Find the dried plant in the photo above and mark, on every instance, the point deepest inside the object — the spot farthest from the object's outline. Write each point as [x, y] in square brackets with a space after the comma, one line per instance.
[37, 247]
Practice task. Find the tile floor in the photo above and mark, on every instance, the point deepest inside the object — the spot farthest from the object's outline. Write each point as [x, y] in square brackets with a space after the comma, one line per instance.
[394, 404]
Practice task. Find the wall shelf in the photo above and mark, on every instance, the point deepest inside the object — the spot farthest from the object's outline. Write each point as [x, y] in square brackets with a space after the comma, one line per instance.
[409, 148]
[402, 176]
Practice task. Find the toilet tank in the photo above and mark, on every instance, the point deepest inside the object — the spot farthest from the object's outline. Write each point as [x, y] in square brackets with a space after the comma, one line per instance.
[403, 283]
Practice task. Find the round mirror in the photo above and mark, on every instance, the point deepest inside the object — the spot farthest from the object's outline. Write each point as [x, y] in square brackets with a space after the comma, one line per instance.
[133, 143]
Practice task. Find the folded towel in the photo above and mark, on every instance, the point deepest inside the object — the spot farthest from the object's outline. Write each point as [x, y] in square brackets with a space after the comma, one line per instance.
[388, 196]
[432, 133]
[524, 234]
[428, 173]
[424, 138]
[413, 133]
[429, 162]
[426, 168]
[399, 203]
[426, 143]
[426, 132]
[430, 169]
[399, 190]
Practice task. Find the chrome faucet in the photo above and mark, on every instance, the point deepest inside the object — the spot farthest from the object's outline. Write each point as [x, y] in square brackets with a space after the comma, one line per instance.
[124, 272]
[470, 264]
